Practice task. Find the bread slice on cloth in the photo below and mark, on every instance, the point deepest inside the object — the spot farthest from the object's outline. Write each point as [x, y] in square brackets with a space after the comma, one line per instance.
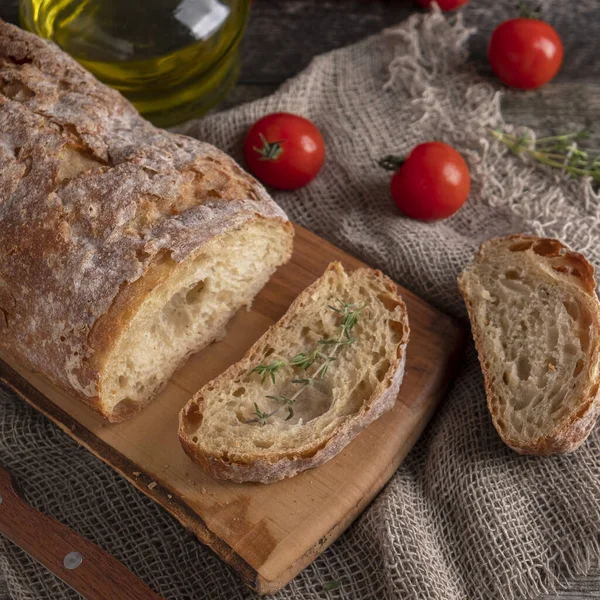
[536, 322]
[261, 420]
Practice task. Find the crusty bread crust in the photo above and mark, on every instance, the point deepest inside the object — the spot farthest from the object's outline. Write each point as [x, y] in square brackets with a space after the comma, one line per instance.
[572, 432]
[96, 204]
[279, 465]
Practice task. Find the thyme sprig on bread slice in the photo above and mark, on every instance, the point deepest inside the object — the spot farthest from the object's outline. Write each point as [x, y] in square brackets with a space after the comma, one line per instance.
[360, 384]
[304, 360]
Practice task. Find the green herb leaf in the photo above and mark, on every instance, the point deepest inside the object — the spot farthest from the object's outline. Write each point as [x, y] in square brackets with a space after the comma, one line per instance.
[269, 370]
[345, 342]
[305, 380]
[304, 360]
[260, 415]
[282, 399]
[329, 586]
[557, 151]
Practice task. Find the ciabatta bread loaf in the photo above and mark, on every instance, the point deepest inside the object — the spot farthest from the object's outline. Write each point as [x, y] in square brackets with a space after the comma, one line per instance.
[123, 248]
[331, 365]
[536, 322]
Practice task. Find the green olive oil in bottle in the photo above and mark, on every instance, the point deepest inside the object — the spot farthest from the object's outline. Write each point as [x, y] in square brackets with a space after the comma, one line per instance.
[173, 59]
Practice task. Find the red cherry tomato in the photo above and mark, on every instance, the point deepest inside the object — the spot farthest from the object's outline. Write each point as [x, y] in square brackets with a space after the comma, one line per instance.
[432, 183]
[443, 4]
[525, 53]
[284, 150]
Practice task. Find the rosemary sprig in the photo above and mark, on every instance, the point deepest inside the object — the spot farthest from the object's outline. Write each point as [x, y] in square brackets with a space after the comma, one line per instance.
[304, 360]
[556, 151]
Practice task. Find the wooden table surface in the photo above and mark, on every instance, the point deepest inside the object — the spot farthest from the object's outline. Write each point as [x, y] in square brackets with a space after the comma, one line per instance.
[284, 35]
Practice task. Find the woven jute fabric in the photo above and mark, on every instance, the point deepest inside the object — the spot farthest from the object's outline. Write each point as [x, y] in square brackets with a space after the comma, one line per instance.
[464, 516]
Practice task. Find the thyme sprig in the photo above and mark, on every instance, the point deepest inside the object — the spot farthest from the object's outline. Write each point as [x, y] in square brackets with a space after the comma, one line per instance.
[269, 370]
[350, 314]
[261, 417]
[556, 151]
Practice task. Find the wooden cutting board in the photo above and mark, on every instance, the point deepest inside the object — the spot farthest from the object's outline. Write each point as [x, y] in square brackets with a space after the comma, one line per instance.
[267, 533]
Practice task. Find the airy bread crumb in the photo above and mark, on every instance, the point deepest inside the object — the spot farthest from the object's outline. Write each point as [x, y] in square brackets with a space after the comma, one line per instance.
[536, 320]
[216, 427]
[188, 311]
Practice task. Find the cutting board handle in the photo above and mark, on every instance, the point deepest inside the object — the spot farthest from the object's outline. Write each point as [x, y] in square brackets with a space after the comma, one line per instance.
[85, 567]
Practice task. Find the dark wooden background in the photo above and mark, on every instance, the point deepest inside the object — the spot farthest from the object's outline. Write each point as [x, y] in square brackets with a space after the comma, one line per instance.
[283, 36]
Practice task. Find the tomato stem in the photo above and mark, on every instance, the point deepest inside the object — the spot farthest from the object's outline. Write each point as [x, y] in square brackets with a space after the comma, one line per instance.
[391, 162]
[269, 150]
[526, 12]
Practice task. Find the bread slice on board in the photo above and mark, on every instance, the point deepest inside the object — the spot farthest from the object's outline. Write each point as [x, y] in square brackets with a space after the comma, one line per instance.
[536, 322]
[222, 429]
[123, 247]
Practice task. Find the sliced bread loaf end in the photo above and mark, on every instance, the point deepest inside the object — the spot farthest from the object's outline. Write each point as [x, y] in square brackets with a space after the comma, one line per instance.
[332, 365]
[536, 323]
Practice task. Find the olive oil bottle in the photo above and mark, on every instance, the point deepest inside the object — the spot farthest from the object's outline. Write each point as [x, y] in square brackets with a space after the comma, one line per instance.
[173, 59]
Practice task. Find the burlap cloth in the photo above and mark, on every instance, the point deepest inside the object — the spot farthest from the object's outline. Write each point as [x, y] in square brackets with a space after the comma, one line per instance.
[464, 516]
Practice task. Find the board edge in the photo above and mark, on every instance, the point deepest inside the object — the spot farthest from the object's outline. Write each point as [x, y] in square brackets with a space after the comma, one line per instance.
[176, 507]
[181, 511]
[459, 336]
